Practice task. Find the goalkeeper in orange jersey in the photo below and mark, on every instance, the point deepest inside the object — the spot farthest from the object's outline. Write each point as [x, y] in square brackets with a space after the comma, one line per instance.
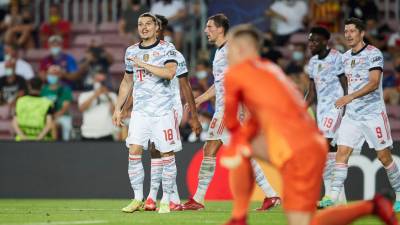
[280, 131]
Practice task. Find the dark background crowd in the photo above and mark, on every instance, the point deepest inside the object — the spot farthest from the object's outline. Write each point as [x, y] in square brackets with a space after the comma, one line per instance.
[75, 50]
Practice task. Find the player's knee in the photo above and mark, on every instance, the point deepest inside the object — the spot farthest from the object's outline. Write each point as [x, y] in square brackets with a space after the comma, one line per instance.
[385, 157]
[343, 154]
[211, 148]
[166, 154]
[135, 150]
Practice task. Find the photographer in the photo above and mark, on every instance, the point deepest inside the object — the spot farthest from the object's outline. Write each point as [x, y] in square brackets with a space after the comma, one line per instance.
[96, 59]
[97, 106]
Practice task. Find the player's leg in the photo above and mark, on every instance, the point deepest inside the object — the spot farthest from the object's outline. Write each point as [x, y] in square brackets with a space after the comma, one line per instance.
[241, 183]
[377, 132]
[271, 197]
[168, 180]
[216, 134]
[155, 177]
[175, 203]
[139, 134]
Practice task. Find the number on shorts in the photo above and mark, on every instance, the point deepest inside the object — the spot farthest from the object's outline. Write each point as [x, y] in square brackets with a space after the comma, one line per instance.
[169, 136]
[213, 122]
[378, 131]
[328, 122]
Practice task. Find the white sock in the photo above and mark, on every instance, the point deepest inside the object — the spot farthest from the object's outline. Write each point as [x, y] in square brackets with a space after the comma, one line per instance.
[261, 180]
[327, 175]
[136, 175]
[339, 176]
[206, 173]
[393, 174]
[168, 178]
[175, 195]
[155, 180]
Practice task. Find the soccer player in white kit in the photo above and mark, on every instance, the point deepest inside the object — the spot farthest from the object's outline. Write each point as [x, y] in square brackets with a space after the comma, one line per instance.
[328, 83]
[216, 28]
[150, 65]
[365, 118]
[180, 81]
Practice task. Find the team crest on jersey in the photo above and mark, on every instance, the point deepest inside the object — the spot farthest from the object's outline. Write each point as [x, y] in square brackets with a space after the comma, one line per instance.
[353, 63]
[155, 54]
[319, 68]
[146, 57]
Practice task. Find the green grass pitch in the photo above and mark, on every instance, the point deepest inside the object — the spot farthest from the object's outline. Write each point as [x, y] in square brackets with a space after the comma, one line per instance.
[107, 212]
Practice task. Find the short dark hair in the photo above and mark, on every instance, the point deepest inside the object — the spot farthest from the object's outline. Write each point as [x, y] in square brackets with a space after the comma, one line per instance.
[360, 25]
[154, 18]
[249, 31]
[322, 31]
[163, 21]
[220, 20]
[36, 84]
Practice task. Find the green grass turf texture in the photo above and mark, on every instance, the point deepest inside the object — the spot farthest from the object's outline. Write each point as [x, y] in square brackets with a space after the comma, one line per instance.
[66, 211]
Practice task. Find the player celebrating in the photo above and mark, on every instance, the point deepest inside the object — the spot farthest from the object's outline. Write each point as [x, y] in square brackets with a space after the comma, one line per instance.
[288, 139]
[151, 65]
[365, 117]
[327, 83]
[216, 28]
[179, 81]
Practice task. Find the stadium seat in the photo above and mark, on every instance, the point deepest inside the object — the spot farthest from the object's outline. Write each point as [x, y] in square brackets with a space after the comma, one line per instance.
[77, 53]
[393, 111]
[35, 55]
[114, 40]
[83, 28]
[84, 40]
[108, 27]
[6, 131]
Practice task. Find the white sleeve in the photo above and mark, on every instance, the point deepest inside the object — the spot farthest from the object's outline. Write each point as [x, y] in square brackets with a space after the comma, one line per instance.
[375, 60]
[339, 67]
[128, 63]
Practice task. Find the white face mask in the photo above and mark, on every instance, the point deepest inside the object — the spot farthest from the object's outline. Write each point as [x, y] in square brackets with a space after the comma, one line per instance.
[168, 38]
[96, 85]
[7, 57]
[201, 74]
[8, 72]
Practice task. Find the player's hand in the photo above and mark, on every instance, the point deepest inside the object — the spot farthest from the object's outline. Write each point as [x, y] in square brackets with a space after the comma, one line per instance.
[117, 119]
[137, 62]
[343, 101]
[196, 126]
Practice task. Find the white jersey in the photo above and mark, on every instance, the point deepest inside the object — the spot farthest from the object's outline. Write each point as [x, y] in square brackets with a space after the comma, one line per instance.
[181, 70]
[220, 64]
[357, 67]
[152, 94]
[325, 72]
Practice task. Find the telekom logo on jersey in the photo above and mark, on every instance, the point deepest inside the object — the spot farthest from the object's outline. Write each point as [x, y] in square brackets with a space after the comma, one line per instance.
[369, 169]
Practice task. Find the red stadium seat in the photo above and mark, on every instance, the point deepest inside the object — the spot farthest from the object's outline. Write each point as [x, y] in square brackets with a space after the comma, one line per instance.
[108, 27]
[83, 28]
[6, 131]
[393, 111]
[299, 38]
[5, 112]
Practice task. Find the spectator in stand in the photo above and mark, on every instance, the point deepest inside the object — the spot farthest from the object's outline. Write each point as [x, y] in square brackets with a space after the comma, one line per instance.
[127, 25]
[55, 26]
[325, 13]
[61, 96]
[295, 67]
[391, 83]
[203, 78]
[394, 42]
[22, 67]
[33, 118]
[69, 69]
[269, 52]
[287, 18]
[363, 9]
[175, 12]
[96, 59]
[20, 28]
[97, 106]
[12, 85]
[375, 34]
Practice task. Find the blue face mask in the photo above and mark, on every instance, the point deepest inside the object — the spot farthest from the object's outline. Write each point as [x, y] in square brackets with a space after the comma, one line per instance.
[297, 56]
[52, 79]
[55, 51]
[8, 72]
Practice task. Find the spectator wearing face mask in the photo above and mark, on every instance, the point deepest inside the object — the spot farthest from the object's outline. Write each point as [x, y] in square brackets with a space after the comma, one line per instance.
[61, 96]
[55, 26]
[295, 67]
[69, 69]
[97, 106]
[22, 67]
[12, 85]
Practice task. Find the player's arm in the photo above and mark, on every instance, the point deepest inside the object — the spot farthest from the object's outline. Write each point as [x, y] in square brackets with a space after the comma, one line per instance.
[18, 130]
[167, 71]
[188, 95]
[343, 83]
[311, 93]
[374, 77]
[123, 95]
[210, 93]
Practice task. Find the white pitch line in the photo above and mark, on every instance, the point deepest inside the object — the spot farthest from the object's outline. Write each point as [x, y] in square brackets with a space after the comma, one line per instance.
[60, 223]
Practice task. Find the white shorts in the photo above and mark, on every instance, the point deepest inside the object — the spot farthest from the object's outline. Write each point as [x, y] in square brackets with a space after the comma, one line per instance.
[160, 130]
[329, 122]
[376, 132]
[216, 130]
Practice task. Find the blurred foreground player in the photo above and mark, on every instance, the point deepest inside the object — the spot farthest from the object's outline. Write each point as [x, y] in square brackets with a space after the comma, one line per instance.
[283, 134]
